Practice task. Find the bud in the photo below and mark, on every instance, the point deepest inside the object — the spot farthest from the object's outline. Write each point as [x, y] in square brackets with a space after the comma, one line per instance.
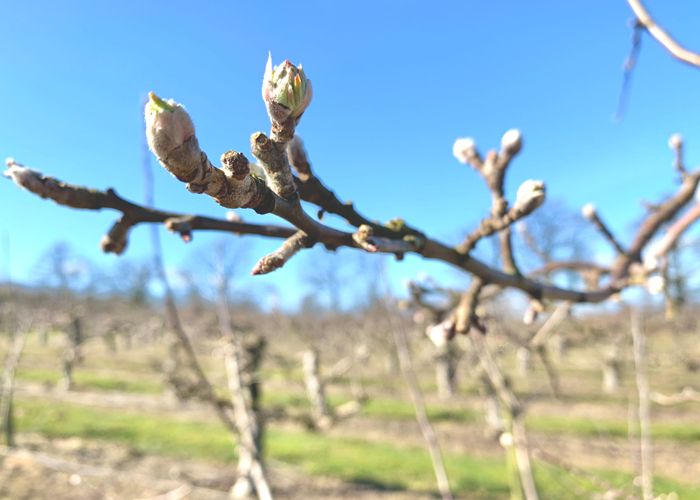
[512, 142]
[530, 316]
[285, 90]
[24, 177]
[588, 211]
[464, 149]
[506, 439]
[651, 262]
[656, 284]
[168, 125]
[675, 141]
[530, 195]
[442, 332]
[232, 216]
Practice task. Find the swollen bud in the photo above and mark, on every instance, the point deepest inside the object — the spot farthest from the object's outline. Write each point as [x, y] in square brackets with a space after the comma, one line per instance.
[588, 211]
[168, 125]
[512, 142]
[464, 149]
[285, 90]
[530, 195]
[441, 333]
[675, 141]
[656, 284]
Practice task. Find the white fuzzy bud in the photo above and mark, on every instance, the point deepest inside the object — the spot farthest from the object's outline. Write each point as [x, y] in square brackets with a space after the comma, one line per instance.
[588, 211]
[506, 439]
[656, 284]
[232, 216]
[168, 125]
[530, 195]
[24, 177]
[464, 149]
[530, 316]
[438, 334]
[675, 141]
[512, 141]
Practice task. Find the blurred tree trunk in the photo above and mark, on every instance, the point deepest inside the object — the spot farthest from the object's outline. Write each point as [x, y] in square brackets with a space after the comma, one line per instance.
[8, 385]
[524, 357]
[316, 390]
[242, 367]
[446, 359]
[72, 353]
[612, 366]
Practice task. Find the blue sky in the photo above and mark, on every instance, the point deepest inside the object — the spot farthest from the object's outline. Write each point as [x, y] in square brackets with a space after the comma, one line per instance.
[394, 84]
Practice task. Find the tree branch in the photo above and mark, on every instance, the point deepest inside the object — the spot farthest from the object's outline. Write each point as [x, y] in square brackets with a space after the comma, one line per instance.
[661, 36]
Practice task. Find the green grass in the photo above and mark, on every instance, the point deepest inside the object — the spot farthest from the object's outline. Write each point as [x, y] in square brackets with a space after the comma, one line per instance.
[588, 427]
[394, 409]
[146, 433]
[380, 464]
[384, 408]
[91, 381]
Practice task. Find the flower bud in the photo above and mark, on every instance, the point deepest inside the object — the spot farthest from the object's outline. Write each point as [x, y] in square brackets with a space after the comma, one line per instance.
[512, 142]
[506, 439]
[530, 316]
[232, 216]
[656, 284]
[530, 195]
[24, 177]
[675, 141]
[285, 90]
[442, 332]
[168, 125]
[588, 211]
[464, 149]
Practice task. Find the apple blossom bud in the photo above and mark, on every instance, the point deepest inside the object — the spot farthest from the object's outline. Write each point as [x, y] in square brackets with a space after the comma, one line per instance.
[232, 216]
[675, 141]
[588, 211]
[512, 142]
[656, 284]
[506, 439]
[24, 177]
[442, 332]
[285, 90]
[530, 195]
[530, 316]
[168, 125]
[464, 149]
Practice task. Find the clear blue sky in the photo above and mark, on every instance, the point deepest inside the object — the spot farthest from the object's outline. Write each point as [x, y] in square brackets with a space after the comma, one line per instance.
[394, 84]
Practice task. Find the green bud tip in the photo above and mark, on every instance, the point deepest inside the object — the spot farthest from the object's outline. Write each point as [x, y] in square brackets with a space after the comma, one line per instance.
[159, 105]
